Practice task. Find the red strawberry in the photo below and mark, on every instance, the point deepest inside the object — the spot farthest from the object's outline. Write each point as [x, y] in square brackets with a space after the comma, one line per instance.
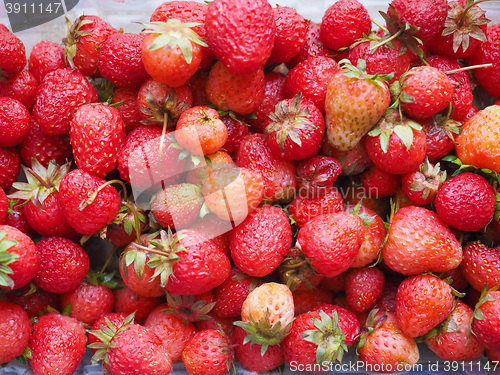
[14, 122]
[354, 103]
[10, 166]
[308, 299]
[317, 175]
[238, 92]
[479, 265]
[45, 56]
[120, 60]
[216, 229]
[22, 87]
[331, 242]
[419, 241]
[364, 287]
[466, 202]
[244, 38]
[14, 55]
[261, 241]
[16, 218]
[304, 208]
[63, 265]
[15, 331]
[440, 133]
[129, 108]
[236, 131]
[422, 186]
[20, 258]
[397, 144]
[291, 33]
[311, 77]
[343, 23]
[379, 183]
[34, 301]
[115, 318]
[53, 112]
[422, 302]
[81, 45]
[127, 225]
[4, 206]
[453, 341]
[128, 302]
[296, 129]
[486, 322]
[57, 344]
[208, 352]
[171, 330]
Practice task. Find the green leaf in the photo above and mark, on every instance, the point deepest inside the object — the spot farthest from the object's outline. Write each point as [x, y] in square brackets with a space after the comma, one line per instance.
[405, 133]
[384, 140]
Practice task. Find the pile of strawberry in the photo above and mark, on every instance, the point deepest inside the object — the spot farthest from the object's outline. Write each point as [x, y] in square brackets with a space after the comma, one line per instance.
[275, 191]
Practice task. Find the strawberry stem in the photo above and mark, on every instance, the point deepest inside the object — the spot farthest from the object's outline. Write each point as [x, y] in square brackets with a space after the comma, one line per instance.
[40, 179]
[137, 225]
[106, 263]
[150, 250]
[467, 8]
[385, 41]
[465, 68]
[94, 194]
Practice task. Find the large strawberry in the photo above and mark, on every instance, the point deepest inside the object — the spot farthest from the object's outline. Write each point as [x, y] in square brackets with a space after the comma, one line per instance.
[45, 56]
[354, 103]
[15, 331]
[243, 38]
[479, 265]
[14, 55]
[22, 87]
[14, 122]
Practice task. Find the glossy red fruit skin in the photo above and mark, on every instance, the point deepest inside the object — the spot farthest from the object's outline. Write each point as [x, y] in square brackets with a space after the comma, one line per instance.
[230, 295]
[247, 27]
[14, 54]
[331, 242]
[10, 166]
[34, 303]
[261, 241]
[304, 208]
[16, 218]
[466, 202]
[311, 48]
[45, 56]
[14, 122]
[480, 265]
[379, 183]
[343, 23]
[22, 87]
[4, 206]
[57, 344]
[364, 286]
[128, 302]
[422, 302]
[116, 318]
[317, 174]
[129, 109]
[311, 78]
[236, 131]
[64, 264]
[15, 330]
[487, 330]
[437, 142]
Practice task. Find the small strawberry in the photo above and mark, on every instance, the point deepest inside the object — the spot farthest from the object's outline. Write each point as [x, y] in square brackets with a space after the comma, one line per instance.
[331, 242]
[129, 107]
[35, 301]
[14, 56]
[57, 344]
[116, 318]
[16, 218]
[208, 352]
[304, 208]
[317, 174]
[379, 183]
[479, 265]
[354, 102]
[261, 241]
[45, 56]
[236, 131]
[127, 226]
[192, 308]
[244, 38]
[10, 166]
[440, 133]
[364, 287]
[486, 322]
[308, 299]
[20, 259]
[422, 185]
[128, 302]
[15, 331]
[14, 122]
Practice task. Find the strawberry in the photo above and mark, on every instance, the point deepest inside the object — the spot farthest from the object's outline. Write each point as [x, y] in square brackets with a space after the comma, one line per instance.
[200, 131]
[343, 23]
[20, 259]
[44, 147]
[317, 175]
[96, 133]
[10, 166]
[22, 87]
[452, 340]
[422, 302]
[63, 265]
[14, 122]
[267, 314]
[479, 265]
[35, 301]
[14, 55]
[129, 108]
[354, 103]
[120, 60]
[379, 183]
[192, 308]
[440, 133]
[396, 144]
[88, 301]
[130, 348]
[419, 241]
[169, 328]
[15, 331]
[424, 91]
[421, 186]
[311, 48]
[364, 287]
[297, 274]
[486, 322]
[216, 322]
[296, 129]
[4, 206]
[89, 203]
[127, 226]
[308, 299]
[236, 131]
[476, 144]
[244, 38]
[304, 208]
[250, 357]
[375, 233]
[53, 112]
[466, 202]
[175, 45]
[216, 229]
[128, 302]
[384, 345]
[488, 53]
[116, 318]
[84, 38]
[57, 344]
[261, 241]
[238, 92]
[208, 352]
[331, 242]
[311, 77]
[197, 174]
[45, 56]
[291, 33]
[387, 301]
[16, 218]
[280, 181]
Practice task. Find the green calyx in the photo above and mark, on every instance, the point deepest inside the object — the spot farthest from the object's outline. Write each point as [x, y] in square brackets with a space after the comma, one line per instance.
[73, 33]
[394, 122]
[174, 33]
[287, 120]
[359, 72]
[6, 258]
[433, 178]
[262, 333]
[187, 309]
[296, 271]
[329, 338]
